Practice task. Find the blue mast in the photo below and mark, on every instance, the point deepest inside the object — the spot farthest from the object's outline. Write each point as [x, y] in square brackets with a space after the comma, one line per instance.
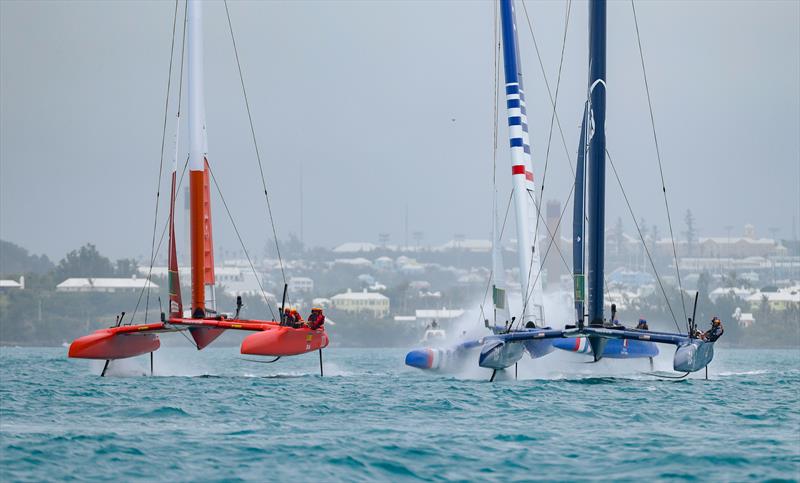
[578, 216]
[596, 167]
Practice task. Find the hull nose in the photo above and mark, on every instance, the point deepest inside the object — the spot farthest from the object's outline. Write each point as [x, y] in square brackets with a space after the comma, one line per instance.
[498, 354]
[420, 358]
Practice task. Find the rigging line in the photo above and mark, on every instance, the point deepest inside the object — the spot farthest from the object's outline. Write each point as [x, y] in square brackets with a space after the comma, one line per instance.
[552, 235]
[499, 237]
[658, 156]
[255, 143]
[555, 100]
[547, 85]
[238, 235]
[552, 117]
[158, 248]
[641, 236]
[547, 251]
[161, 161]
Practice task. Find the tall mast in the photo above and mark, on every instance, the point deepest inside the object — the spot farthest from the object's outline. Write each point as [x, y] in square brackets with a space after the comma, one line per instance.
[596, 168]
[201, 243]
[521, 171]
[578, 217]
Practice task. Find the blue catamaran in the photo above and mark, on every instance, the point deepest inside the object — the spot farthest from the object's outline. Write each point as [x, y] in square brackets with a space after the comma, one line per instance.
[592, 333]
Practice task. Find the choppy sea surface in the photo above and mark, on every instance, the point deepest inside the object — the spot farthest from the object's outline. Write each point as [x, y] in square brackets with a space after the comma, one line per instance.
[213, 416]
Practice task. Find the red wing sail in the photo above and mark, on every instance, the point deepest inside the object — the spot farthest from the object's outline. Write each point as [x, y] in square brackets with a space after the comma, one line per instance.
[174, 282]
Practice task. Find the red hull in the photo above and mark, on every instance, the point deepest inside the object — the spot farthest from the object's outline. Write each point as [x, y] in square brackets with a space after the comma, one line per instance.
[270, 339]
[115, 343]
[284, 341]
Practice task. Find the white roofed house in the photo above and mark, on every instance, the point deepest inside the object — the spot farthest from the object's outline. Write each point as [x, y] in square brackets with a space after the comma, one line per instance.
[13, 284]
[355, 247]
[360, 302]
[783, 299]
[720, 292]
[300, 285]
[470, 245]
[109, 285]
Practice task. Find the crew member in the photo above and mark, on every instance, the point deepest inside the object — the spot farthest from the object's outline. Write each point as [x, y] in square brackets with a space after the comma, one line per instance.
[317, 319]
[288, 320]
[297, 319]
[715, 332]
[642, 325]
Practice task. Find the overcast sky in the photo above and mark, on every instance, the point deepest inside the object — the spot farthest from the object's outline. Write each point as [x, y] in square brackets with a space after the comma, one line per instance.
[387, 106]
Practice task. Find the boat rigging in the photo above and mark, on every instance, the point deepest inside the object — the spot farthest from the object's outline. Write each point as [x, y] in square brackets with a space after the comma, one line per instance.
[204, 322]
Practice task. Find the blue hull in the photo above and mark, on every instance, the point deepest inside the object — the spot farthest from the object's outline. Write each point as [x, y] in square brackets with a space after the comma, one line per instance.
[614, 349]
[445, 359]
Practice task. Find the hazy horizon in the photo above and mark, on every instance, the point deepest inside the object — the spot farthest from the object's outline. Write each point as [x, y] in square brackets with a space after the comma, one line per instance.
[387, 107]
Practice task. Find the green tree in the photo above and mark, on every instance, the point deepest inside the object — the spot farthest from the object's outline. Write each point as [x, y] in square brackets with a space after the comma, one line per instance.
[126, 267]
[15, 260]
[84, 262]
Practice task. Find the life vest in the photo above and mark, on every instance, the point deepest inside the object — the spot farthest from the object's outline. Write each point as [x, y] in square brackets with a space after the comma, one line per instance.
[316, 321]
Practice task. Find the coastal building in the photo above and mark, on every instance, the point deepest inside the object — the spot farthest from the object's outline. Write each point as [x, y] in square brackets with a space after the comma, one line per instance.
[739, 292]
[357, 262]
[779, 301]
[13, 284]
[358, 302]
[384, 263]
[744, 246]
[745, 319]
[108, 285]
[301, 285]
[355, 247]
[476, 246]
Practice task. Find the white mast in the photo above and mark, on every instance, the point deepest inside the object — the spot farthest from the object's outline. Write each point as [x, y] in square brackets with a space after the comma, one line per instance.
[521, 171]
[197, 122]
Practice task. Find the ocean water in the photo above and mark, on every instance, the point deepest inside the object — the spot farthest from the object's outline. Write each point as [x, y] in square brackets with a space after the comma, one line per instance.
[212, 416]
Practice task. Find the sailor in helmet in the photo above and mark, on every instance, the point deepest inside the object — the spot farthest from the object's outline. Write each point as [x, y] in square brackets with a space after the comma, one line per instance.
[317, 319]
[715, 332]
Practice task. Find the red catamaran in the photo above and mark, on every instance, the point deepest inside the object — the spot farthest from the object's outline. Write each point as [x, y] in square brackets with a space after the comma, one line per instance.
[271, 338]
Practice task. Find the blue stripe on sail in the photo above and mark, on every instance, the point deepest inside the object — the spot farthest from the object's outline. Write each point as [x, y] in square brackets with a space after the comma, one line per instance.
[524, 127]
[513, 103]
[517, 142]
[523, 110]
[526, 148]
[515, 121]
[512, 89]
